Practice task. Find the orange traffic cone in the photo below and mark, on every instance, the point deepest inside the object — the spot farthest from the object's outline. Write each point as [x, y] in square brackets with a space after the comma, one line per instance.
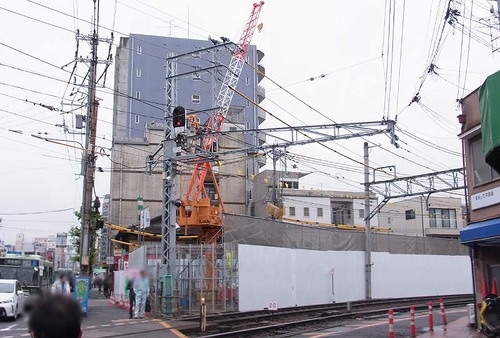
[484, 290]
[494, 287]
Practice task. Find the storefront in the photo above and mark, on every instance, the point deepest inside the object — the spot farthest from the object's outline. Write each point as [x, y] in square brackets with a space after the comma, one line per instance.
[481, 147]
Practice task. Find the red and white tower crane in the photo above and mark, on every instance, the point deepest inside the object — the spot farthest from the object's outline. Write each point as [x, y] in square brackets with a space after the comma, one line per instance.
[196, 209]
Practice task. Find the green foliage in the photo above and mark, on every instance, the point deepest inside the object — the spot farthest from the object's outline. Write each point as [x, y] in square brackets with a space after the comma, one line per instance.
[75, 234]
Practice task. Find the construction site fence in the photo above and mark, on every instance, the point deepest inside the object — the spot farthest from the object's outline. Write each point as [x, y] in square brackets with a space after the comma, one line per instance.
[260, 231]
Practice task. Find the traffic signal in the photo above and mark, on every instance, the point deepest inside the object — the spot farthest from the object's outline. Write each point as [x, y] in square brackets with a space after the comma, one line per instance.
[99, 224]
[179, 117]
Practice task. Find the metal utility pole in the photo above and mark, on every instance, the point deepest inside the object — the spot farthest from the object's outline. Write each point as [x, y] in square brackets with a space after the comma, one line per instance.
[170, 194]
[89, 156]
[368, 253]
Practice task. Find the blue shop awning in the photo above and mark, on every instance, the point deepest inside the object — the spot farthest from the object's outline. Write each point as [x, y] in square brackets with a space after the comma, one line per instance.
[481, 232]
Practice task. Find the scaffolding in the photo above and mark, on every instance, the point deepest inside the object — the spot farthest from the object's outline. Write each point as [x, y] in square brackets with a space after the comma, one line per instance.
[216, 284]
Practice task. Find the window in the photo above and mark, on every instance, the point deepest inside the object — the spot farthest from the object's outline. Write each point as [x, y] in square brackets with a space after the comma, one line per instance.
[138, 95]
[139, 49]
[247, 81]
[289, 184]
[195, 98]
[292, 211]
[361, 213]
[482, 171]
[320, 212]
[306, 212]
[442, 218]
[137, 118]
[196, 76]
[138, 72]
[410, 214]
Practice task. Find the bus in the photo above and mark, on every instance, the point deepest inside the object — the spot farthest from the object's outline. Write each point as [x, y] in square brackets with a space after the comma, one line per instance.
[32, 271]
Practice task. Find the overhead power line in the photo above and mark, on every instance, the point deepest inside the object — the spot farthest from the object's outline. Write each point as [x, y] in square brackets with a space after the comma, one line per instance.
[34, 212]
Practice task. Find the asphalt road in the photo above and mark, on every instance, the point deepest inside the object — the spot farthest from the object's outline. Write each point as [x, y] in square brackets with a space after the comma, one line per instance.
[103, 320]
[378, 327]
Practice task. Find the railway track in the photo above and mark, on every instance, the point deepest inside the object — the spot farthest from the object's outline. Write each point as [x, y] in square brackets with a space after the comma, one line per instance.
[294, 319]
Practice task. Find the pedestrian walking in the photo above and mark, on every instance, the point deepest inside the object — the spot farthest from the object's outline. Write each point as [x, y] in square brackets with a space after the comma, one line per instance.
[61, 286]
[141, 289]
[131, 297]
[99, 283]
[105, 285]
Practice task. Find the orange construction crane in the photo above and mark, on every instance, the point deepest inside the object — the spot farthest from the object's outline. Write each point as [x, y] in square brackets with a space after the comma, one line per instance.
[196, 209]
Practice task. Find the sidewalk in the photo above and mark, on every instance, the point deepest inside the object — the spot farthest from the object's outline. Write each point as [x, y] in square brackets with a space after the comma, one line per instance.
[456, 329]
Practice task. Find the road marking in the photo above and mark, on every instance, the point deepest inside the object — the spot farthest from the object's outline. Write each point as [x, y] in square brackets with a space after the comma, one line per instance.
[165, 324]
[178, 333]
[91, 327]
[105, 325]
[330, 334]
[9, 327]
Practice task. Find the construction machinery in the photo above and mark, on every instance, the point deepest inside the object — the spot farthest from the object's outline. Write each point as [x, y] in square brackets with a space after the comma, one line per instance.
[195, 211]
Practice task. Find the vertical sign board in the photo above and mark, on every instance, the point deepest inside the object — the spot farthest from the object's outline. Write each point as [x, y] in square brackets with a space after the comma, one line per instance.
[62, 240]
[273, 306]
[82, 293]
[146, 218]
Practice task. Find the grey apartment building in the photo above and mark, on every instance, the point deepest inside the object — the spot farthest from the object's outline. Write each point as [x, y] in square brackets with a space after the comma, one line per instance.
[140, 74]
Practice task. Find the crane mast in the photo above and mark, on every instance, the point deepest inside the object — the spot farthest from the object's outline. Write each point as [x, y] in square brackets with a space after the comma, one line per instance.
[196, 209]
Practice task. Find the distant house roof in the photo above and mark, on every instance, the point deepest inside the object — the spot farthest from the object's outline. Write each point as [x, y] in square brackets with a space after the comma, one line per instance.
[326, 193]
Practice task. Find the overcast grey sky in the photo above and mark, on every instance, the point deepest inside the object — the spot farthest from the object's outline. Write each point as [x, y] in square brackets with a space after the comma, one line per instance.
[300, 39]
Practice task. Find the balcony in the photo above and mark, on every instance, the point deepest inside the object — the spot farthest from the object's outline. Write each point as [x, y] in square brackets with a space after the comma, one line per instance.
[262, 138]
[261, 73]
[261, 115]
[261, 93]
[260, 55]
[261, 160]
[442, 232]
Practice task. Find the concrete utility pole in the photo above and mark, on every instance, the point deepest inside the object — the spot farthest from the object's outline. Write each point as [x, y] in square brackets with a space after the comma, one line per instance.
[368, 253]
[276, 197]
[89, 158]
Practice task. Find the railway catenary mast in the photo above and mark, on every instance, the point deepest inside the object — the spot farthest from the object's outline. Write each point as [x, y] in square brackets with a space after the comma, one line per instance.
[195, 209]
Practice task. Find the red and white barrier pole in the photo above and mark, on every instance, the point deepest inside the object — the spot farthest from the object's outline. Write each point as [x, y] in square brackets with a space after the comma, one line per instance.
[443, 314]
[413, 330]
[391, 323]
[431, 318]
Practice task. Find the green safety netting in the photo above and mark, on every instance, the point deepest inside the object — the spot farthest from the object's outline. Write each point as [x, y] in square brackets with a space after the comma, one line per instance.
[489, 107]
